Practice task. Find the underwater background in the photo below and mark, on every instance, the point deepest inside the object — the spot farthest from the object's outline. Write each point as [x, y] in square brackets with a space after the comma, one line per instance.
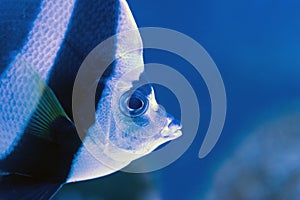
[256, 46]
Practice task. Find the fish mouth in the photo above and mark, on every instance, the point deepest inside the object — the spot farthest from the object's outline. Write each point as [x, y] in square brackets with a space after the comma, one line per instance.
[172, 130]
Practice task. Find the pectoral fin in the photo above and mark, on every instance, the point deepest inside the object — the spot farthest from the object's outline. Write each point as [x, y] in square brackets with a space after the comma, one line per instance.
[47, 111]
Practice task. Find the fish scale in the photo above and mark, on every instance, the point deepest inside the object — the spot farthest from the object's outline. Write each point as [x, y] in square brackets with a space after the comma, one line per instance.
[11, 126]
[79, 41]
[16, 21]
[46, 35]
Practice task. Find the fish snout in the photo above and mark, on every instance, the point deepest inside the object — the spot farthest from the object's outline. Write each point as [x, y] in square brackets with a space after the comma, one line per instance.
[172, 129]
[175, 124]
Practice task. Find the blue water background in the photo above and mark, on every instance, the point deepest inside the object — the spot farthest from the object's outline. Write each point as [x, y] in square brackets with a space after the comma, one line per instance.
[255, 45]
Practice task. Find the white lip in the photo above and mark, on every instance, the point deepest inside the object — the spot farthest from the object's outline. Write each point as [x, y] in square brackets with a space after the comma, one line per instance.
[174, 128]
[173, 131]
[177, 134]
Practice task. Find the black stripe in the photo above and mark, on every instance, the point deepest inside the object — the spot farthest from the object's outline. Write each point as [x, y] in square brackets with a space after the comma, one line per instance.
[42, 159]
[91, 23]
[16, 20]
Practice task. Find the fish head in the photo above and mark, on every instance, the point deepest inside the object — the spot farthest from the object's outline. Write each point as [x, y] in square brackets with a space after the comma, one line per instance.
[141, 124]
[130, 123]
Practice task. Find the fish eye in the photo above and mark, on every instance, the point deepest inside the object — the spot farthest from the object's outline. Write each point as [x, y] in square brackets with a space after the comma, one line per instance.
[133, 104]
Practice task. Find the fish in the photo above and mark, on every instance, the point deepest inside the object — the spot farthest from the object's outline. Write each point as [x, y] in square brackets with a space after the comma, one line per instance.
[43, 46]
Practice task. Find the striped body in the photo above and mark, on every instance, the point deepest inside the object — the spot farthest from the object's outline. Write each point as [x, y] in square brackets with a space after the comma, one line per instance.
[52, 38]
[38, 139]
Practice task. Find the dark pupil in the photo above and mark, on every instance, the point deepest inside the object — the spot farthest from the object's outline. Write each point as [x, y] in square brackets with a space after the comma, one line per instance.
[134, 103]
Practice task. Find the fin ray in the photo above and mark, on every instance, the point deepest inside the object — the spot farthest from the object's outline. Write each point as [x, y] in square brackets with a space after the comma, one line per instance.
[27, 104]
[48, 109]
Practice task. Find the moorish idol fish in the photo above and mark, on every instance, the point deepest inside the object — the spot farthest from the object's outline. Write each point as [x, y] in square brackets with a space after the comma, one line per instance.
[43, 44]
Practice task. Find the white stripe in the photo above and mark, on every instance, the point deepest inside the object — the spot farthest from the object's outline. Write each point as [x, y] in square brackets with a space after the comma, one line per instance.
[19, 89]
[89, 162]
[47, 34]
